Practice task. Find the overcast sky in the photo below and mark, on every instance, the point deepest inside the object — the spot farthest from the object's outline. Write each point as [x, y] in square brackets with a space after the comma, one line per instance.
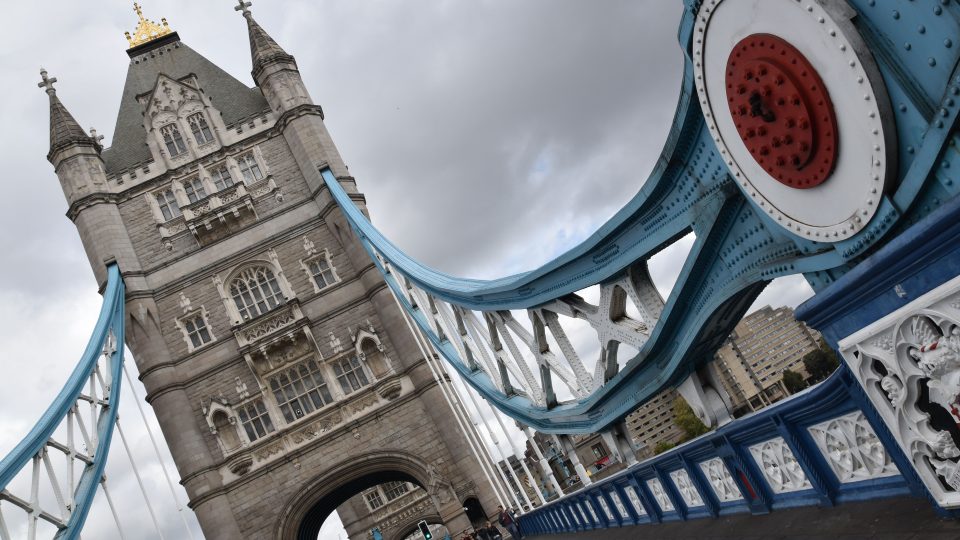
[489, 136]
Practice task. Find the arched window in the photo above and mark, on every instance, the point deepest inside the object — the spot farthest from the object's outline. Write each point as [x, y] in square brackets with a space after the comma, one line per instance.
[350, 374]
[374, 358]
[200, 129]
[173, 140]
[255, 291]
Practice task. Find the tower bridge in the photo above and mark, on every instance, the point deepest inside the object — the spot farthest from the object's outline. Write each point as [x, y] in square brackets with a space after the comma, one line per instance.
[298, 362]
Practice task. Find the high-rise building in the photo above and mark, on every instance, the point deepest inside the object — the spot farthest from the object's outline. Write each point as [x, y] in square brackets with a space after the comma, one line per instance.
[653, 423]
[751, 362]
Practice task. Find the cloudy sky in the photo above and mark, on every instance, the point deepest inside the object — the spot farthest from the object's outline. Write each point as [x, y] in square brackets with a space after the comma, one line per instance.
[488, 136]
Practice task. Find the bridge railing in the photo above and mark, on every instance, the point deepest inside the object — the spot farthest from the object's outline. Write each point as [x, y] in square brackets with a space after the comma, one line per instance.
[50, 478]
[820, 446]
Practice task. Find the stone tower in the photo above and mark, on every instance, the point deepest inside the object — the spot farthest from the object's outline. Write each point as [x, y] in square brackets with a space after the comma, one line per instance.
[282, 373]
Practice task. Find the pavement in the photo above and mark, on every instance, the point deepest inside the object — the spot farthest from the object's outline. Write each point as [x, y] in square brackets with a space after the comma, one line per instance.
[899, 518]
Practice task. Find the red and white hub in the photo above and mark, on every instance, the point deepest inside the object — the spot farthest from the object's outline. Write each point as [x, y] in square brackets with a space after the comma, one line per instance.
[796, 116]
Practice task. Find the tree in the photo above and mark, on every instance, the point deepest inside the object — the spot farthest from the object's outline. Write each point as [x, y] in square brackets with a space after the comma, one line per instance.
[662, 447]
[793, 381]
[820, 363]
[686, 420]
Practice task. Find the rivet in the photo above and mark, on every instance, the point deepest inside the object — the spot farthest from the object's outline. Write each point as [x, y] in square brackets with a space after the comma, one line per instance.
[932, 61]
[896, 14]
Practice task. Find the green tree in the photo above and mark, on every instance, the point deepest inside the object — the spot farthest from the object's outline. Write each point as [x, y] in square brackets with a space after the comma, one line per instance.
[793, 381]
[686, 420]
[662, 447]
[820, 363]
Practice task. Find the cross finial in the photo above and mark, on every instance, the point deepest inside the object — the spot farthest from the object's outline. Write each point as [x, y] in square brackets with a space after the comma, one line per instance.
[93, 135]
[138, 9]
[47, 82]
[243, 7]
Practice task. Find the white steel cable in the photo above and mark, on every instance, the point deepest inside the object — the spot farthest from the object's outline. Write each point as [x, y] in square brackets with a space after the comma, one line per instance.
[156, 451]
[136, 473]
[437, 378]
[113, 509]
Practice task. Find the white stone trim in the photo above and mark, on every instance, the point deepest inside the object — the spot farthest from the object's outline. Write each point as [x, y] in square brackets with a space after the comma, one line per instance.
[852, 448]
[635, 500]
[918, 344]
[688, 492]
[317, 255]
[202, 313]
[779, 466]
[723, 484]
[660, 495]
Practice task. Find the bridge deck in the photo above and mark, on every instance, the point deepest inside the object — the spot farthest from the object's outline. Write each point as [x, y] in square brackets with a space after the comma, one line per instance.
[900, 518]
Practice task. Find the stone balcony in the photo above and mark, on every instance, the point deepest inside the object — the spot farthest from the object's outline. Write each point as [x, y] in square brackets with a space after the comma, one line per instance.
[275, 338]
[224, 212]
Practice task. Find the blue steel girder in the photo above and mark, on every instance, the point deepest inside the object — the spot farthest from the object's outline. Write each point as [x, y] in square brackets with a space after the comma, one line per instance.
[739, 246]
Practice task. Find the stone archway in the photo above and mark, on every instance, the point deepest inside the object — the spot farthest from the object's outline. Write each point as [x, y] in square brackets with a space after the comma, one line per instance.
[409, 527]
[305, 512]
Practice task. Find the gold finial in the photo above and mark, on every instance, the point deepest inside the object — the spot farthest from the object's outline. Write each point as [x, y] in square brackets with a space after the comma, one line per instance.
[146, 30]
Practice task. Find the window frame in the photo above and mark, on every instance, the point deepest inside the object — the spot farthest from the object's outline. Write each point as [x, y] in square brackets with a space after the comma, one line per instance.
[250, 161]
[201, 131]
[264, 414]
[201, 314]
[250, 310]
[194, 189]
[218, 178]
[322, 255]
[356, 366]
[173, 139]
[169, 202]
[301, 399]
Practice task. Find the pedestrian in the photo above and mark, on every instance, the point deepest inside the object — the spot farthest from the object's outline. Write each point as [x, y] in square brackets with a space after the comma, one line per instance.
[489, 532]
[506, 519]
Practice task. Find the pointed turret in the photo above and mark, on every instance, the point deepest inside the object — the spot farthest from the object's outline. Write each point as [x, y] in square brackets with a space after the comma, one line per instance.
[264, 51]
[64, 129]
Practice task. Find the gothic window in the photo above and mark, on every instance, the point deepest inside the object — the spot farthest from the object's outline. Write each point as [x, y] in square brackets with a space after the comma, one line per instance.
[255, 419]
[255, 291]
[173, 140]
[392, 490]
[221, 177]
[373, 499]
[375, 359]
[200, 129]
[350, 374]
[300, 390]
[194, 189]
[321, 271]
[195, 328]
[168, 204]
[249, 168]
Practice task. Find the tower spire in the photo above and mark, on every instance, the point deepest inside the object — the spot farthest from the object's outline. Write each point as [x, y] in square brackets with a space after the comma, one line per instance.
[64, 129]
[264, 51]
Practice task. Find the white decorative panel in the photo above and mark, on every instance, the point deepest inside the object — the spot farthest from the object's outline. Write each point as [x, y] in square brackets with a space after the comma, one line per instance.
[572, 511]
[660, 495]
[720, 480]
[686, 488]
[852, 448]
[635, 500]
[605, 507]
[779, 466]
[618, 502]
[583, 513]
[913, 351]
[593, 512]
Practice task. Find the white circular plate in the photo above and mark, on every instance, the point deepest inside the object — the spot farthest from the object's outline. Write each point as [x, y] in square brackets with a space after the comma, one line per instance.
[843, 204]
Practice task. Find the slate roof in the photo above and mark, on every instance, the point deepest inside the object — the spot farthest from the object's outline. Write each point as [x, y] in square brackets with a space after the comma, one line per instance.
[64, 129]
[176, 60]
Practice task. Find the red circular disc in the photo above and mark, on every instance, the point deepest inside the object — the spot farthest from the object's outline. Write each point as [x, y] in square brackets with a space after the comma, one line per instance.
[782, 111]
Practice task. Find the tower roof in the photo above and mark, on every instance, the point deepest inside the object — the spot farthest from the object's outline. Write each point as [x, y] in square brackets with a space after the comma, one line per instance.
[170, 57]
[64, 129]
[263, 49]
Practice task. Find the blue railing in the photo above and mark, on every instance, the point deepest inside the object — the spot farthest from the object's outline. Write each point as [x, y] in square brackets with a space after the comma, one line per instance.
[88, 384]
[820, 447]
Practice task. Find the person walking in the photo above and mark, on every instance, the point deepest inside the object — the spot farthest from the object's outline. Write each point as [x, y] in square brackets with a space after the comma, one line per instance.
[505, 518]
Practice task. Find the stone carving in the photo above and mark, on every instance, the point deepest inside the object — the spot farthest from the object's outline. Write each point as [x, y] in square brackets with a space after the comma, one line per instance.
[269, 325]
[363, 403]
[605, 507]
[618, 502]
[852, 448]
[634, 501]
[691, 497]
[436, 485]
[240, 465]
[660, 495]
[335, 344]
[720, 480]
[315, 429]
[390, 390]
[309, 247]
[779, 465]
[264, 453]
[241, 387]
[184, 303]
[909, 365]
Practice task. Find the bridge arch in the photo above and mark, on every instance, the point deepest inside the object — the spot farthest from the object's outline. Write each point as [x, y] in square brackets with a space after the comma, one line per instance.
[409, 526]
[306, 511]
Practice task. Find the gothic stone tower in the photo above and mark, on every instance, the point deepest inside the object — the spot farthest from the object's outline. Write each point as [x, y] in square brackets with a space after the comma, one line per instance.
[282, 373]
